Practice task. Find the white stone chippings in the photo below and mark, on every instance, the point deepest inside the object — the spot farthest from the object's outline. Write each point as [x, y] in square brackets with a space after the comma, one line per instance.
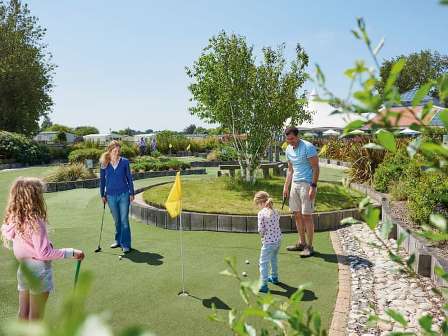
[376, 285]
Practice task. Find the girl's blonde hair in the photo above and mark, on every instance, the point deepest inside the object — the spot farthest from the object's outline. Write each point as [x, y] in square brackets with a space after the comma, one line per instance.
[105, 157]
[26, 205]
[263, 198]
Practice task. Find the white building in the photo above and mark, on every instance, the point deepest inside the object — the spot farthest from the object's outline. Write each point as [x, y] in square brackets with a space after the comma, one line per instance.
[321, 115]
[102, 139]
[51, 137]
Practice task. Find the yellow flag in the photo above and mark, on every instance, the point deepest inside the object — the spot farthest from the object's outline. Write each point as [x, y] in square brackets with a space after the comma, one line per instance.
[284, 146]
[171, 146]
[188, 147]
[173, 203]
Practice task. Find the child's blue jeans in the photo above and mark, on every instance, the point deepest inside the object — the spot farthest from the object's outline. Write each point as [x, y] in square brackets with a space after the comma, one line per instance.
[268, 257]
[119, 207]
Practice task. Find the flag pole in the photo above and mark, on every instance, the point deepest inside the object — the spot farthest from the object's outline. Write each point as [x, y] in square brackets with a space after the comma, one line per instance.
[183, 292]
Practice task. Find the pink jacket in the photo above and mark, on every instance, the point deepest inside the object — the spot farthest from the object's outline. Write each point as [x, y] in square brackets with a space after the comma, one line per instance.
[35, 246]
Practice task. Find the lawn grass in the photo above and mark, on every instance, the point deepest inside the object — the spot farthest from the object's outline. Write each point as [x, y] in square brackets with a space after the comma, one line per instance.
[143, 289]
[225, 195]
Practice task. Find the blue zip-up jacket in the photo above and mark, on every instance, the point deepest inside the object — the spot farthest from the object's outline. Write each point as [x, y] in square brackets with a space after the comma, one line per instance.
[116, 181]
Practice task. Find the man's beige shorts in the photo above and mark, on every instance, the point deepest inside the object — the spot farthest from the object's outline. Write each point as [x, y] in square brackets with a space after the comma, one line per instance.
[299, 199]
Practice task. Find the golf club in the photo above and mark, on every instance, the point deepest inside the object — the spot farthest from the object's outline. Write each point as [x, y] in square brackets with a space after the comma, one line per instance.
[284, 201]
[78, 266]
[98, 249]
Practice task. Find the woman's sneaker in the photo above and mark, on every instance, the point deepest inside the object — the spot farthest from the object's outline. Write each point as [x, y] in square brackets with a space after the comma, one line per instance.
[273, 280]
[264, 288]
[296, 247]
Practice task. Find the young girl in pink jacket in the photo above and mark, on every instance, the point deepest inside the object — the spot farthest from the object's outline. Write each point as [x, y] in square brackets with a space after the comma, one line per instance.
[26, 227]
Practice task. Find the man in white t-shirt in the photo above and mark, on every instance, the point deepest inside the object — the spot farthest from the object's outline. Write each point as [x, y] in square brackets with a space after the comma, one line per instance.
[301, 187]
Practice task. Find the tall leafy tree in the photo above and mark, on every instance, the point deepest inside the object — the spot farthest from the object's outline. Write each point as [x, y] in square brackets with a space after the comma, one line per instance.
[420, 68]
[190, 129]
[85, 130]
[26, 69]
[253, 100]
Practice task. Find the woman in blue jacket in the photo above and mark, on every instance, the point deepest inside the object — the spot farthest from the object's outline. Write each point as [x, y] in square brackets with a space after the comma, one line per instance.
[117, 189]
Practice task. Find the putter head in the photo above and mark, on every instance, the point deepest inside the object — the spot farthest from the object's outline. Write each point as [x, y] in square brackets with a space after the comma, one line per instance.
[98, 249]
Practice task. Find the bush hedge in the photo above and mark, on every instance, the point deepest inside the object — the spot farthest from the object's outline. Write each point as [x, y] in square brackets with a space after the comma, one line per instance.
[71, 172]
[426, 195]
[390, 170]
[148, 163]
[79, 155]
[18, 148]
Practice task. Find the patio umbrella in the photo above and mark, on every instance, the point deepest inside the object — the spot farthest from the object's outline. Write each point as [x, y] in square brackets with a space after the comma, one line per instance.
[331, 133]
[408, 131]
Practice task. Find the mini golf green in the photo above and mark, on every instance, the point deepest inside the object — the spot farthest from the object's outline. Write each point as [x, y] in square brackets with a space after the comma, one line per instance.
[224, 195]
[142, 290]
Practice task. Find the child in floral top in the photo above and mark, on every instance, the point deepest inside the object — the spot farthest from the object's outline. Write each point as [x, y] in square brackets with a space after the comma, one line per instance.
[271, 235]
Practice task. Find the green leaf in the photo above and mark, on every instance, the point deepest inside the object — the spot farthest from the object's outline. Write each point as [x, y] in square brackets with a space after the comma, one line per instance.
[444, 117]
[250, 330]
[439, 221]
[387, 140]
[441, 273]
[317, 323]
[379, 47]
[355, 124]
[320, 75]
[386, 229]
[356, 34]
[227, 273]
[426, 323]
[372, 217]
[421, 93]
[401, 238]
[396, 316]
[410, 260]
[413, 147]
[394, 73]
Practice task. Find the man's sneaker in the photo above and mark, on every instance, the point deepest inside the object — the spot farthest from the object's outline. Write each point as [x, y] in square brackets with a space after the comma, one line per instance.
[273, 280]
[296, 247]
[115, 245]
[307, 252]
[126, 250]
[264, 288]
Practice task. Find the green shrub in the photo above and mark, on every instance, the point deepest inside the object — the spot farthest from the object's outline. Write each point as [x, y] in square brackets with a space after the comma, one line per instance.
[390, 170]
[178, 141]
[19, 148]
[87, 144]
[223, 153]
[426, 195]
[79, 155]
[71, 172]
[59, 153]
[148, 163]
[398, 190]
[129, 151]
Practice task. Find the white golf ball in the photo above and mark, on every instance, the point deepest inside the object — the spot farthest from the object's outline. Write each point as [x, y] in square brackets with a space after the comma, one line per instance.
[119, 257]
[244, 274]
[247, 261]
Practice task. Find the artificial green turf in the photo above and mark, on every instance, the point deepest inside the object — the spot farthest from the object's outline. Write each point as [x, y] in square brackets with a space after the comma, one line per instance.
[143, 289]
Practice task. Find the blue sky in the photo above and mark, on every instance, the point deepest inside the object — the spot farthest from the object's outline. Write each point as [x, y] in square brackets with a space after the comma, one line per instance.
[121, 63]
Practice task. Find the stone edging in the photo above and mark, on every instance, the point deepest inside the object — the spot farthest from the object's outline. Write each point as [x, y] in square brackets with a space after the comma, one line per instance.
[427, 258]
[339, 321]
[195, 221]
[95, 183]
